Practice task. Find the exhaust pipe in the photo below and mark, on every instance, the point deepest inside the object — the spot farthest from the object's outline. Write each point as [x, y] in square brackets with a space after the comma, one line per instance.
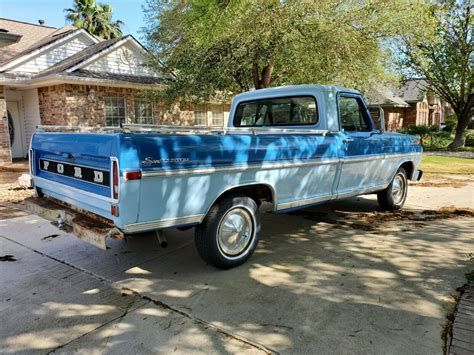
[161, 239]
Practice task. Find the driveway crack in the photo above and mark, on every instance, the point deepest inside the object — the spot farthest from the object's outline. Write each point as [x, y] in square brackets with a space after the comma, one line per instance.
[203, 323]
[118, 318]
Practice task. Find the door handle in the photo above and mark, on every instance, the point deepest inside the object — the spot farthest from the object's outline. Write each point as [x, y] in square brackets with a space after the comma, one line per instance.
[347, 140]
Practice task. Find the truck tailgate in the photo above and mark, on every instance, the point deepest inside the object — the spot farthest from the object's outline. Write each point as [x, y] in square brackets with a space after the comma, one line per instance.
[75, 168]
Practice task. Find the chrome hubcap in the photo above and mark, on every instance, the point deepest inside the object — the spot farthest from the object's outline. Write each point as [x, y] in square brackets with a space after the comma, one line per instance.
[398, 189]
[235, 231]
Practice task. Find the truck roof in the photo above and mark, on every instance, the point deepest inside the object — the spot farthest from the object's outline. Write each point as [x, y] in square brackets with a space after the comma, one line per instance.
[291, 90]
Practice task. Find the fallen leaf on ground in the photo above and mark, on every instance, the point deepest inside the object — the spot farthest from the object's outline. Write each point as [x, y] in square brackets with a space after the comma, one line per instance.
[7, 258]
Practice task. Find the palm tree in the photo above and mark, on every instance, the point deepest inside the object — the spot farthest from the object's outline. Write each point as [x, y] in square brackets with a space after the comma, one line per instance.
[94, 18]
[110, 29]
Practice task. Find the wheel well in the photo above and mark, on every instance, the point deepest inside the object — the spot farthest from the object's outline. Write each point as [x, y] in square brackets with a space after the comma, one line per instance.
[408, 166]
[258, 192]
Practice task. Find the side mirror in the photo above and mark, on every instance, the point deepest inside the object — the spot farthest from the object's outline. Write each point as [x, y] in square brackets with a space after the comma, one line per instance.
[378, 117]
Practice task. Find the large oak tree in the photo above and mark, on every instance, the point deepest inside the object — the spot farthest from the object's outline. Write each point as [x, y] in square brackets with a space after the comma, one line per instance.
[229, 46]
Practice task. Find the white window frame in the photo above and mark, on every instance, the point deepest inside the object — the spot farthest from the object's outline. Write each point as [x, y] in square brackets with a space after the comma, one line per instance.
[215, 120]
[116, 98]
[141, 121]
[200, 121]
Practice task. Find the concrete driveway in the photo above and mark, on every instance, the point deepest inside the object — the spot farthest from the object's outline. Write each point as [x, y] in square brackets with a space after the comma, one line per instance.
[339, 278]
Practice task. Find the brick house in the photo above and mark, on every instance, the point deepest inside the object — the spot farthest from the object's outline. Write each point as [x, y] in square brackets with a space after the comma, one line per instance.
[66, 76]
[412, 104]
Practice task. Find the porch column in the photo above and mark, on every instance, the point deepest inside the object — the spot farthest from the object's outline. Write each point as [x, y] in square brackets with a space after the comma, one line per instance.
[5, 150]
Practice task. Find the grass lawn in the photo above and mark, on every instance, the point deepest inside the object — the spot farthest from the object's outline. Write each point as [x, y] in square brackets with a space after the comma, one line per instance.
[446, 165]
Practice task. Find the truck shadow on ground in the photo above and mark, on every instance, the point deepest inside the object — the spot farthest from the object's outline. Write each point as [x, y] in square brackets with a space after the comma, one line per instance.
[318, 282]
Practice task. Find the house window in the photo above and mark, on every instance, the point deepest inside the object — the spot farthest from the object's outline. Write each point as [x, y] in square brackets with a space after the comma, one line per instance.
[114, 111]
[218, 115]
[143, 111]
[200, 115]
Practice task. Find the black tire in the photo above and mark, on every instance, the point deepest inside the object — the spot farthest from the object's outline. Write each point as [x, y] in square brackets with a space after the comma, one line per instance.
[208, 243]
[390, 199]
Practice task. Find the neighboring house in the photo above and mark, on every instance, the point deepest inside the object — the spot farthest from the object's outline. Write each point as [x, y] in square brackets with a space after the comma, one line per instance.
[66, 76]
[413, 104]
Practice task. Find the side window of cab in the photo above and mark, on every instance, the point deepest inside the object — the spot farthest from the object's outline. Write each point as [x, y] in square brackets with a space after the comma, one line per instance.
[353, 115]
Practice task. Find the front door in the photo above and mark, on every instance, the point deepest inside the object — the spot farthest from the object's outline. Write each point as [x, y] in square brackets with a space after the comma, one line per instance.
[15, 127]
[362, 158]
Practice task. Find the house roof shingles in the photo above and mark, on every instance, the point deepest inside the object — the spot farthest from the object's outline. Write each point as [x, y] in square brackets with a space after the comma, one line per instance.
[414, 90]
[30, 33]
[385, 97]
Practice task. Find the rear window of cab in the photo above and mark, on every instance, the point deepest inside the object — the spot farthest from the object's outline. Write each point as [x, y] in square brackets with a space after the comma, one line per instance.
[274, 112]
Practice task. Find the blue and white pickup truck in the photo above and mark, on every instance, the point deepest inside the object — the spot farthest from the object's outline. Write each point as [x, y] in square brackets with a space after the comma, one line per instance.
[290, 146]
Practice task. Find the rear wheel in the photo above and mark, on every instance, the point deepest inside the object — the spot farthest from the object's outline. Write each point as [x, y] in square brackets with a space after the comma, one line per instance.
[228, 235]
[394, 196]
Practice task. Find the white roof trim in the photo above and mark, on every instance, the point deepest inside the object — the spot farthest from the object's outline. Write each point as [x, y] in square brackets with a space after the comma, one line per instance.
[45, 48]
[100, 54]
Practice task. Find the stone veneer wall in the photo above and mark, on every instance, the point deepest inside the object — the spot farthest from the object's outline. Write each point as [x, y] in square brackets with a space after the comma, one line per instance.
[5, 151]
[84, 105]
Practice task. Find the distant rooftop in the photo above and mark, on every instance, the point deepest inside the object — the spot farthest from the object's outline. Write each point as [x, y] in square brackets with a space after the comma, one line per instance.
[409, 92]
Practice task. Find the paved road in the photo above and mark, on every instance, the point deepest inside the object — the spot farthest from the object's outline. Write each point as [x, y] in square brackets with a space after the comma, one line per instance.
[337, 278]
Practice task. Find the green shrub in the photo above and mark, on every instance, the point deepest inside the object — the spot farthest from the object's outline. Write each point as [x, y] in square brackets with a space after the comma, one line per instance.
[451, 123]
[469, 140]
[421, 130]
[434, 128]
[445, 135]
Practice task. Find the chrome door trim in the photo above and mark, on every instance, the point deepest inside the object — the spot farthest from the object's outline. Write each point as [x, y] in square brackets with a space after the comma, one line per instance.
[363, 191]
[200, 171]
[146, 174]
[164, 223]
[304, 202]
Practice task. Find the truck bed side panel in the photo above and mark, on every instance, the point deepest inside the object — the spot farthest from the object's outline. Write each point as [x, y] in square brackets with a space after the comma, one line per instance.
[184, 175]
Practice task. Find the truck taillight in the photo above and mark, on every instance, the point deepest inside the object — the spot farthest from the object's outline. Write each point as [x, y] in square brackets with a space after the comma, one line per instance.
[132, 175]
[115, 180]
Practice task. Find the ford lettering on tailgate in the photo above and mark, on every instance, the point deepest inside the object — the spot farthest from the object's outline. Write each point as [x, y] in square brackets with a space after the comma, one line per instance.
[78, 172]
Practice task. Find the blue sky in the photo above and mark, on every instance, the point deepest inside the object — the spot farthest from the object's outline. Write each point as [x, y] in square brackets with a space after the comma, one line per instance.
[129, 11]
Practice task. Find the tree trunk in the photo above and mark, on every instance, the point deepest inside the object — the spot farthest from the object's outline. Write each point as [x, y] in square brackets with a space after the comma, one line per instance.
[266, 76]
[263, 80]
[463, 122]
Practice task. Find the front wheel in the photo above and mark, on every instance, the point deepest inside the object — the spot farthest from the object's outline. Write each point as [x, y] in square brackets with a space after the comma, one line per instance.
[228, 235]
[394, 196]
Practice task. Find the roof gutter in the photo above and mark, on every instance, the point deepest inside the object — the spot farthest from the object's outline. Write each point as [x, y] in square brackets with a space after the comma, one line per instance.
[56, 79]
